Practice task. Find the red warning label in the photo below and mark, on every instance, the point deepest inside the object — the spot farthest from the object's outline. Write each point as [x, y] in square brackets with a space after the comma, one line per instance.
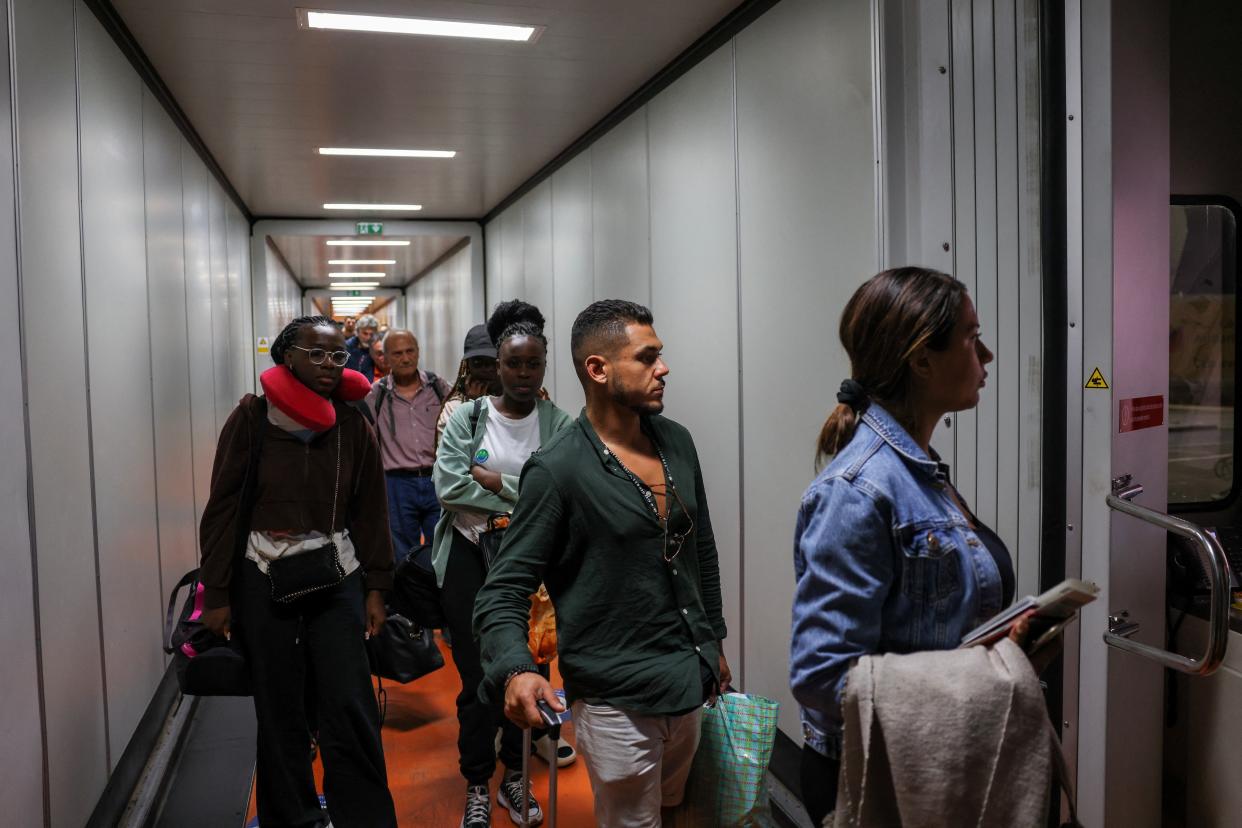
[1141, 412]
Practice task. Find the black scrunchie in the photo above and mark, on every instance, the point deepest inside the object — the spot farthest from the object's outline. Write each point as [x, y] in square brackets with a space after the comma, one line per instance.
[854, 395]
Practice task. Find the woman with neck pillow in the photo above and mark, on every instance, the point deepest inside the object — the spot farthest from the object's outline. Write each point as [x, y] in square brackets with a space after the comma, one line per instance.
[303, 582]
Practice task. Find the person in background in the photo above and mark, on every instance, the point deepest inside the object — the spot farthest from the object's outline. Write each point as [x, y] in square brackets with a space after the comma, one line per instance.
[359, 346]
[315, 642]
[485, 445]
[888, 557]
[476, 375]
[348, 327]
[613, 518]
[378, 363]
[405, 405]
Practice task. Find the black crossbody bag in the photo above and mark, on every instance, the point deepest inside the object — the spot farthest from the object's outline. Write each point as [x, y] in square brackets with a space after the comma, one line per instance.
[313, 571]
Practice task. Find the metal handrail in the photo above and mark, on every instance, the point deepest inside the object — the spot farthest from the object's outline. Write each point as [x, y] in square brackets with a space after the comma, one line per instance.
[1218, 570]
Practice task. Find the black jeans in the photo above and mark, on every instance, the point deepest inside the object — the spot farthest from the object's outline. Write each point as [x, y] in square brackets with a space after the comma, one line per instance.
[318, 638]
[818, 775]
[477, 722]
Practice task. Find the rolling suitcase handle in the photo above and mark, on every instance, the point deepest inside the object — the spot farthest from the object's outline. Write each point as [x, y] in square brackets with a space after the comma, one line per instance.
[553, 720]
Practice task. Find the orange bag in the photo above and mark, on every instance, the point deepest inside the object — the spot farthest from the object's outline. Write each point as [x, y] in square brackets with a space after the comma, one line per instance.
[542, 638]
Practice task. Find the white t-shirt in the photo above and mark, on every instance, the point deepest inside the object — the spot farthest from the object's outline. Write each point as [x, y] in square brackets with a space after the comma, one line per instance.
[507, 444]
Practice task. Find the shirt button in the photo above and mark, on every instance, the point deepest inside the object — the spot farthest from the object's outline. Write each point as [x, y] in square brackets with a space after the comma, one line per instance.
[674, 571]
[685, 612]
[698, 649]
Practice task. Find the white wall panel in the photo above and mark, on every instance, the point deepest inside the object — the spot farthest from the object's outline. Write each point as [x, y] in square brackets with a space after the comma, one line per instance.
[807, 207]
[241, 325]
[221, 307]
[43, 42]
[440, 306]
[537, 265]
[114, 256]
[170, 353]
[199, 307]
[621, 212]
[512, 259]
[492, 243]
[21, 771]
[694, 294]
[573, 270]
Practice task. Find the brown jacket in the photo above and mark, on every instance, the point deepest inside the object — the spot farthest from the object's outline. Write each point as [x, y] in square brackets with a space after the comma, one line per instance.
[294, 494]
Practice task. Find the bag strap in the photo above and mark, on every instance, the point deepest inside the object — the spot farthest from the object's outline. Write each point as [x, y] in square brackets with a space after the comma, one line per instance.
[249, 494]
[476, 411]
[380, 396]
[434, 382]
[170, 622]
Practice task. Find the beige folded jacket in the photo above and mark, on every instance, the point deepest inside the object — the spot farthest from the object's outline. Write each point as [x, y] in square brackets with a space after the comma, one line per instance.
[945, 738]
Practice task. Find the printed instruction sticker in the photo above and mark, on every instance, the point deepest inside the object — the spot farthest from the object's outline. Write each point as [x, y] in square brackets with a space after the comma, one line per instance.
[1096, 380]
[263, 345]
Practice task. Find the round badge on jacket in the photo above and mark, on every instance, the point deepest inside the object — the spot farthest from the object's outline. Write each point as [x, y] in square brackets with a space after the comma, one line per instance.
[481, 457]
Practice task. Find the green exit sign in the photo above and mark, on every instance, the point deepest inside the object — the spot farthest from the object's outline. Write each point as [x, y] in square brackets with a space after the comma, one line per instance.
[370, 228]
[353, 293]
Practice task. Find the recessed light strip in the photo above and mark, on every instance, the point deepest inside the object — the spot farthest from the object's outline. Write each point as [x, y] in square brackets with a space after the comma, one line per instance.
[356, 275]
[416, 26]
[388, 153]
[354, 286]
[365, 243]
[361, 261]
[369, 207]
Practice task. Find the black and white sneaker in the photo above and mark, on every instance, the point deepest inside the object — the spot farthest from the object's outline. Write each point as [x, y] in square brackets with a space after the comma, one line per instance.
[478, 808]
[510, 796]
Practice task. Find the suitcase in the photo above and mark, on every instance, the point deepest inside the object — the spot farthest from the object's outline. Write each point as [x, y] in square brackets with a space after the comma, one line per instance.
[554, 721]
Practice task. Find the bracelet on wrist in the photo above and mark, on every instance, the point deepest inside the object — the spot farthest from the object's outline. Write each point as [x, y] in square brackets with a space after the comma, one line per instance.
[517, 671]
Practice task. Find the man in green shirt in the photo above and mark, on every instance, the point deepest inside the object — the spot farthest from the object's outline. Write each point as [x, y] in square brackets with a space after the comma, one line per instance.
[612, 517]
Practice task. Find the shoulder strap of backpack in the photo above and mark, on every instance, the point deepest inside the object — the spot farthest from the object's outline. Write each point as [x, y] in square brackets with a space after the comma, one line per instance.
[434, 382]
[476, 410]
[249, 493]
[380, 396]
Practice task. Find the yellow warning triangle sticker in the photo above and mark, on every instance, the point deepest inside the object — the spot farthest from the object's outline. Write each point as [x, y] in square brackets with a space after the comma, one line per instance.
[1096, 380]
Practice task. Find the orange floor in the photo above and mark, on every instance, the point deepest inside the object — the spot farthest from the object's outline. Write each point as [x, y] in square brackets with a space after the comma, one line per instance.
[420, 745]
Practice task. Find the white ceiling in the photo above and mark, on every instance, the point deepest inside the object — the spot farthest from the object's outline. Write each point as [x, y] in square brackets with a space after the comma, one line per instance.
[308, 257]
[264, 94]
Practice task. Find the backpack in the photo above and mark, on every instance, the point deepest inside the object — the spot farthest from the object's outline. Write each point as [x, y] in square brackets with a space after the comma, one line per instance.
[383, 392]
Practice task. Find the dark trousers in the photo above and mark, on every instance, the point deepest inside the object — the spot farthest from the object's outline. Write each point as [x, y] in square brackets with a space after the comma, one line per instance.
[318, 638]
[818, 775]
[413, 510]
[476, 721]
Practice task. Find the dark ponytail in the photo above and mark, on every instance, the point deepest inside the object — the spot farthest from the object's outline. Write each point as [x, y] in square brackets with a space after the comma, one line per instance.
[886, 321]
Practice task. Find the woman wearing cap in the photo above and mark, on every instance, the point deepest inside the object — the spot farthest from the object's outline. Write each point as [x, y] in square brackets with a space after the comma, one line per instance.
[485, 445]
[887, 555]
[476, 375]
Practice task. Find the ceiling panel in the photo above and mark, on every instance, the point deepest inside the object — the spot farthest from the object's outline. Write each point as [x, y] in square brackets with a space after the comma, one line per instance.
[308, 257]
[264, 94]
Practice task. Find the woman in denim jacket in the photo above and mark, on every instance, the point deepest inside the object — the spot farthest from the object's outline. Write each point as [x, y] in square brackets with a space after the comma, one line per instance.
[887, 555]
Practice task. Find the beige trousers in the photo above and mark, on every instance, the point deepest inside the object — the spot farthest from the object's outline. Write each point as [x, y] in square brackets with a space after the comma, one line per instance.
[637, 764]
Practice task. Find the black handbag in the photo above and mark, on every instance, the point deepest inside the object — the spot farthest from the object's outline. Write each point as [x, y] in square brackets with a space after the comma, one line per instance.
[491, 539]
[312, 571]
[414, 591]
[403, 651]
[206, 664]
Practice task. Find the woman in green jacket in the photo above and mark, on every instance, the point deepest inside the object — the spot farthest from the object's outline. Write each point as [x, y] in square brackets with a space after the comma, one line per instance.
[478, 463]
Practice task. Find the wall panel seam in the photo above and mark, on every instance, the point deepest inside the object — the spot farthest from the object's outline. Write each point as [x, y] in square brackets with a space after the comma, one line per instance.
[741, 408]
[90, 421]
[189, 380]
[155, 457]
[32, 530]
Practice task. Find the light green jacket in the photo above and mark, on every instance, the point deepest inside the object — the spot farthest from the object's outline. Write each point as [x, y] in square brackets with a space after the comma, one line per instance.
[458, 491]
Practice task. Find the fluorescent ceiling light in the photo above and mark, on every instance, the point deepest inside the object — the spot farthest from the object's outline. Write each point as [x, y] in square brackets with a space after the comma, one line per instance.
[366, 243]
[354, 285]
[355, 275]
[369, 207]
[310, 19]
[360, 262]
[388, 153]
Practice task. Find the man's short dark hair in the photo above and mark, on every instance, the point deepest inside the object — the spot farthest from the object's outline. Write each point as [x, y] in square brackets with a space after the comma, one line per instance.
[601, 327]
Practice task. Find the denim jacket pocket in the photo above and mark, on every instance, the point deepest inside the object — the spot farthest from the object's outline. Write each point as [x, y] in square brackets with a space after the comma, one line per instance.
[931, 569]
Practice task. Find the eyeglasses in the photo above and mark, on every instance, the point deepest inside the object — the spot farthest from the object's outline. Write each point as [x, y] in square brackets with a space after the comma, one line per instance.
[318, 355]
[675, 540]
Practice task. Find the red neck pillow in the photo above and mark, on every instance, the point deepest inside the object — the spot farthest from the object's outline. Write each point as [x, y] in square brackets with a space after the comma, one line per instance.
[304, 406]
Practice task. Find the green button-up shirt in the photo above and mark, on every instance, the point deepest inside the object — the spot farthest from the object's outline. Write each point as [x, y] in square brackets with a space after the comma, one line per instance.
[632, 628]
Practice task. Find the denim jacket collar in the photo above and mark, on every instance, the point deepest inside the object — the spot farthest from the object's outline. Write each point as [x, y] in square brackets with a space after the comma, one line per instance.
[892, 432]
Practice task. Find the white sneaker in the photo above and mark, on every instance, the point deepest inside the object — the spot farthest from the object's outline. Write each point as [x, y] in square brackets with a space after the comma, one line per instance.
[565, 753]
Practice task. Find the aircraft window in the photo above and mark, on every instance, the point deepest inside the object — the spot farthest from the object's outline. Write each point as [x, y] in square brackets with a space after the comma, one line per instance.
[1202, 350]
